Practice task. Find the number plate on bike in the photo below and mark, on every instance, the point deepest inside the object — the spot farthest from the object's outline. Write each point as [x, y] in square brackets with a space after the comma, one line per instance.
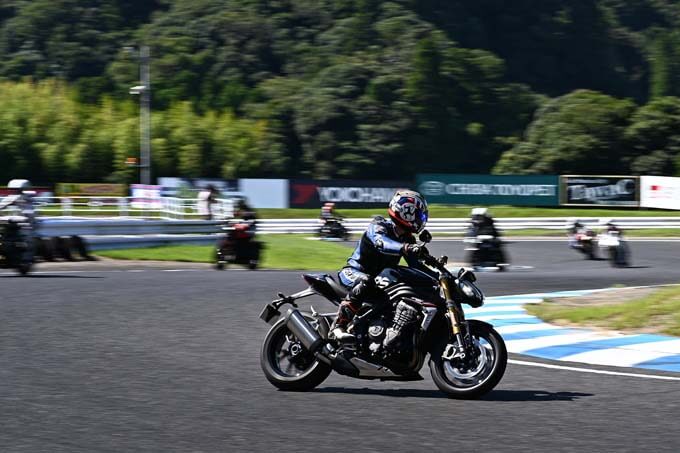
[270, 314]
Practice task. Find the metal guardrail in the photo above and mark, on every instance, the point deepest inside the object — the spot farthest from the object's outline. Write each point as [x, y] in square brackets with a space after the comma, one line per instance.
[118, 226]
[136, 207]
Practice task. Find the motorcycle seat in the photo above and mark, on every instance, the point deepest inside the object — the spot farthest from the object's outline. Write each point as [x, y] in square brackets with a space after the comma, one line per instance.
[326, 286]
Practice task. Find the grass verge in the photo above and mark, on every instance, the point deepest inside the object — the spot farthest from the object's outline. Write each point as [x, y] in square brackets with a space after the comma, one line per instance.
[281, 252]
[657, 312]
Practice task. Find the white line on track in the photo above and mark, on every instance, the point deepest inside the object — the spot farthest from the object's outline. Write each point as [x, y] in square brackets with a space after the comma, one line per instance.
[593, 371]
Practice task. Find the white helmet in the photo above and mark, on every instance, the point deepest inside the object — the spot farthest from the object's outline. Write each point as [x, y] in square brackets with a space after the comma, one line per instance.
[21, 184]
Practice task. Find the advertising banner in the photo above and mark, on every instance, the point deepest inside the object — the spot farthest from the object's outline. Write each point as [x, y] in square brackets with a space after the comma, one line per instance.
[530, 190]
[600, 190]
[312, 193]
[188, 187]
[146, 196]
[265, 193]
[90, 190]
[659, 192]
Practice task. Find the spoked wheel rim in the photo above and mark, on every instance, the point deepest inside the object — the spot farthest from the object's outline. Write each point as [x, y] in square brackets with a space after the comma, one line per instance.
[472, 372]
[289, 357]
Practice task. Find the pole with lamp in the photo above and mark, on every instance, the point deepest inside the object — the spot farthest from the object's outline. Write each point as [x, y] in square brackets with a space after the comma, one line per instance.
[144, 92]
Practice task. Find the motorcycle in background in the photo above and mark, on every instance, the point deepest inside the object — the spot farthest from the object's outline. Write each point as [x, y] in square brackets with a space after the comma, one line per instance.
[485, 251]
[420, 314]
[238, 245]
[585, 241]
[17, 248]
[615, 248]
[333, 229]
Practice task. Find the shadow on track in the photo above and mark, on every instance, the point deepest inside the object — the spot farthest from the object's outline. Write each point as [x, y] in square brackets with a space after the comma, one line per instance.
[48, 276]
[532, 395]
[399, 393]
[496, 395]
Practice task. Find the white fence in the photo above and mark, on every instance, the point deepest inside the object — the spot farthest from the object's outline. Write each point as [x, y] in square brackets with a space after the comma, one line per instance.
[99, 227]
[164, 208]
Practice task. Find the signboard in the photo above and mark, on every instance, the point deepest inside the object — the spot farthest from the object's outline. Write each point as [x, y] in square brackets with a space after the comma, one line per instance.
[659, 192]
[600, 190]
[265, 193]
[187, 188]
[146, 196]
[90, 190]
[308, 193]
[530, 190]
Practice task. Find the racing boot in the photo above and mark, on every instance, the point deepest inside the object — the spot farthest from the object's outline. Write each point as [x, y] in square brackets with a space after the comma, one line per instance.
[348, 309]
[346, 312]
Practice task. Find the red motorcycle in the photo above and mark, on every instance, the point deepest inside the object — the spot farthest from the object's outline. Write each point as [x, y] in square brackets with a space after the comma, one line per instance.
[238, 245]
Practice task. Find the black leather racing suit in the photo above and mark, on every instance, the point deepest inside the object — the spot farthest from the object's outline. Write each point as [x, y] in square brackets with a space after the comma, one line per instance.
[380, 247]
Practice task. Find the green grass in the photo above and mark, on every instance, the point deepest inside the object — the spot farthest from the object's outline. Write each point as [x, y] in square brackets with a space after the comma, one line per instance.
[443, 211]
[659, 311]
[281, 252]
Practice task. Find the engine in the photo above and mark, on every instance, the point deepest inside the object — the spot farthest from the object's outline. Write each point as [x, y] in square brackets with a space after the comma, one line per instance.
[388, 337]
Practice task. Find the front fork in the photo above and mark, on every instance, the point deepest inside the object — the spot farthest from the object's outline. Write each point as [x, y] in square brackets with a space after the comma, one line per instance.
[457, 321]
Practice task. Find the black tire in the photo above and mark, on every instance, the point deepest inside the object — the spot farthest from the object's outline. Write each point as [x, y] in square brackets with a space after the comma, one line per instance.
[439, 366]
[307, 379]
[219, 266]
[252, 265]
[24, 268]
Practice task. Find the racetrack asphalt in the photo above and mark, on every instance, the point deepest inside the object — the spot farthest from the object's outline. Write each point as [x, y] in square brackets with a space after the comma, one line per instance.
[138, 358]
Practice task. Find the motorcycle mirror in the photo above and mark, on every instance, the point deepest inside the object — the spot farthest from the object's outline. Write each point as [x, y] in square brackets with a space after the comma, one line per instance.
[425, 236]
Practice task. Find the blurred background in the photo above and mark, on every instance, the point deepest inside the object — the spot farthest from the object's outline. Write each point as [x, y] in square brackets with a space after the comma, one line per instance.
[337, 88]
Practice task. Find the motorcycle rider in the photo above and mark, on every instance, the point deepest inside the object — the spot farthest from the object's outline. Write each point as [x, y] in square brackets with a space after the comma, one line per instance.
[381, 246]
[23, 199]
[574, 227]
[482, 224]
[327, 212]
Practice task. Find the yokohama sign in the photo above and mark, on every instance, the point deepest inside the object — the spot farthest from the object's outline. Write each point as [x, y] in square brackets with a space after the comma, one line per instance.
[344, 193]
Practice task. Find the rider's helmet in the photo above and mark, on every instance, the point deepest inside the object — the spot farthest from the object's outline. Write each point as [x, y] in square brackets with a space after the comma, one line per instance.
[606, 222]
[21, 186]
[408, 209]
[479, 215]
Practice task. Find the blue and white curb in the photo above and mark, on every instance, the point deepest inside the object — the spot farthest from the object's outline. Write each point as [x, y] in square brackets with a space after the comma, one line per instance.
[527, 334]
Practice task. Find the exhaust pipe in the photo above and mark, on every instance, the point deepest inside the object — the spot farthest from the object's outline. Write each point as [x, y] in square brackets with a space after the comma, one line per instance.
[311, 340]
[301, 328]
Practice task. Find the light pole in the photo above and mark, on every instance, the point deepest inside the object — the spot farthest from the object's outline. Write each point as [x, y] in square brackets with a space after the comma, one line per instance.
[144, 92]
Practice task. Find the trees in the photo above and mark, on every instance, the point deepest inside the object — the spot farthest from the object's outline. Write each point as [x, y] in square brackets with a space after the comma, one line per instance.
[581, 132]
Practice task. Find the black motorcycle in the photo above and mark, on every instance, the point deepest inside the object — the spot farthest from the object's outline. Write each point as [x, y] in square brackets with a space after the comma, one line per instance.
[421, 315]
[333, 229]
[485, 251]
[238, 246]
[17, 248]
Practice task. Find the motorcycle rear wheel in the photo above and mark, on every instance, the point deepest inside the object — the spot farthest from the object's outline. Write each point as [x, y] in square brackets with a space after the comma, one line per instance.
[461, 383]
[287, 365]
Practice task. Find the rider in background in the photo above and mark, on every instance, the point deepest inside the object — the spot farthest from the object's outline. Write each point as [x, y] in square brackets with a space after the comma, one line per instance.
[482, 223]
[610, 227]
[327, 212]
[381, 246]
[574, 227]
[23, 199]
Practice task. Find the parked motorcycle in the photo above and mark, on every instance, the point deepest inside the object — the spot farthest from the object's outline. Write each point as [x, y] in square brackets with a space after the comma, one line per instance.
[333, 229]
[17, 248]
[422, 315]
[238, 245]
[615, 247]
[485, 251]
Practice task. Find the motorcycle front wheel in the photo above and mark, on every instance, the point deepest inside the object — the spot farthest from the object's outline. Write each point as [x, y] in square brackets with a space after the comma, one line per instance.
[287, 364]
[471, 377]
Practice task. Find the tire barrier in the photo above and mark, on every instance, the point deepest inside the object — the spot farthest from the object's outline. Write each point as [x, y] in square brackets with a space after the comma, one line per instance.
[66, 248]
